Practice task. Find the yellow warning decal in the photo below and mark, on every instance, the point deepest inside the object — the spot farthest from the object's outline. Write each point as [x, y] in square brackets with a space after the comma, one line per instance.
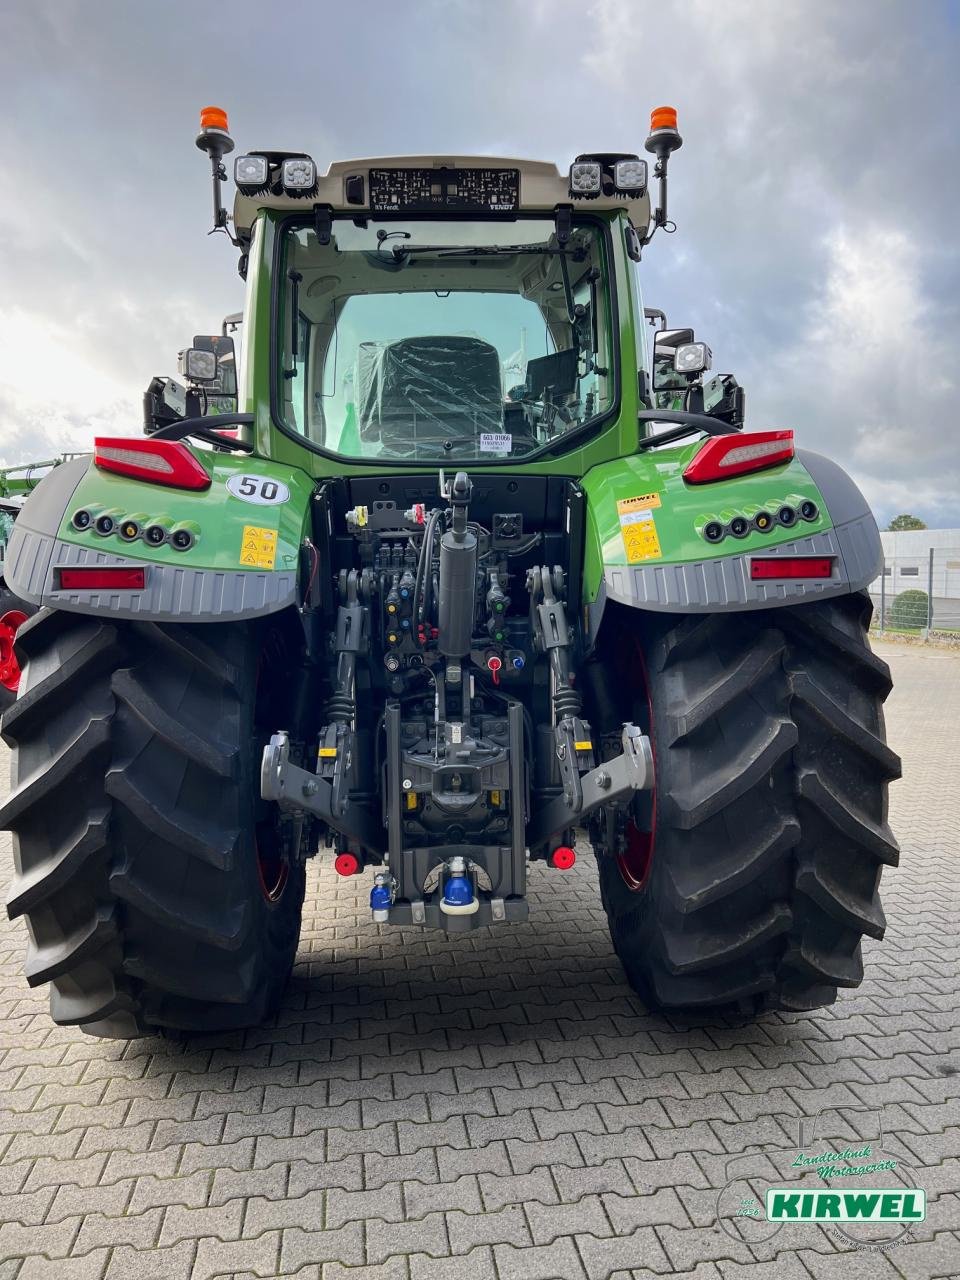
[258, 547]
[637, 527]
[327, 753]
[583, 746]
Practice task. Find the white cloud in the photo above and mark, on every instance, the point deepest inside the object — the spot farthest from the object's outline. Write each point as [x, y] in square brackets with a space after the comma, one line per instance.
[815, 194]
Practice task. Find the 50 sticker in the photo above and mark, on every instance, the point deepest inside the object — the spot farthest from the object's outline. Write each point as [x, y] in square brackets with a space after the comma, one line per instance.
[262, 491]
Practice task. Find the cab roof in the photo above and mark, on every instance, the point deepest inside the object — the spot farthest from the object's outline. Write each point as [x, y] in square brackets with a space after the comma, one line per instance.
[346, 188]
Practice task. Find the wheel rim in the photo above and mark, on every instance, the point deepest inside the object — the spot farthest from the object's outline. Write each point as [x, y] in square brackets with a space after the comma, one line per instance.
[10, 622]
[273, 865]
[636, 860]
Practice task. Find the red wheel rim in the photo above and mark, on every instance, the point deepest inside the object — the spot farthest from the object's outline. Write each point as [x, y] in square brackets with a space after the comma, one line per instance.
[636, 860]
[273, 868]
[11, 621]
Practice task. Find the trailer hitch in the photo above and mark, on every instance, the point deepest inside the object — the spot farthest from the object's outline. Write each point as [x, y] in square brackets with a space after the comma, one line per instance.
[301, 793]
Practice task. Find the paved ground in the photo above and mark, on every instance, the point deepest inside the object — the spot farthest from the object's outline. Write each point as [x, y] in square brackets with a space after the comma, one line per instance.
[499, 1106]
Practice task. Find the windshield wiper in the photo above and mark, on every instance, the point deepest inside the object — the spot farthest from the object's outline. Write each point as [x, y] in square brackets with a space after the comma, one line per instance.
[486, 250]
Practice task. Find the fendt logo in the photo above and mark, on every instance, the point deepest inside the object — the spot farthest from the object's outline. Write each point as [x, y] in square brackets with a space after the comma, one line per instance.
[866, 1205]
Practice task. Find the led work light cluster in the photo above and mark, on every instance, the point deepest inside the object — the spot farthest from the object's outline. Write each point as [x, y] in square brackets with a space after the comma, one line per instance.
[155, 531]
[592, 176]
[784, 516]
[294, 176]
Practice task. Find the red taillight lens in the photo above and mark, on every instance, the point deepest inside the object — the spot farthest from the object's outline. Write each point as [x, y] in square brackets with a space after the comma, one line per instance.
[791, 567]
[156, 461]
[102, 579]
[724, 456]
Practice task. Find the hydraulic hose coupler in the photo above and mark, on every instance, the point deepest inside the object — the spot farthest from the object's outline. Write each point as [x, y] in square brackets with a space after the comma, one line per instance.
[184, 535]
[458, 897]
[381, 897]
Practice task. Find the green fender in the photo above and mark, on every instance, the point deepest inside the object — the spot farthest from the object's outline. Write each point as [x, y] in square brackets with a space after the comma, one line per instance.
[645, 543]
[243, 560]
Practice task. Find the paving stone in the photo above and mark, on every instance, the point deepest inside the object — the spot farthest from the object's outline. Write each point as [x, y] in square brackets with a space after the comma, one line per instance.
[421, 1198]
[216, 1257]
[301, 1248]
[491, 1106]
[426, 1235]
[549, 1222]
[557, 1261]
[500, 1226]
[497, 1192]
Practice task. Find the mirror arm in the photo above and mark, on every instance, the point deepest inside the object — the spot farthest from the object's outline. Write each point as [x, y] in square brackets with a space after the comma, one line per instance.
[200, 427]
[686, 422]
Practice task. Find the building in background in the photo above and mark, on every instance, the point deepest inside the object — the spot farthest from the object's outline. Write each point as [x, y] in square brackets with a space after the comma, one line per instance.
[926, 560]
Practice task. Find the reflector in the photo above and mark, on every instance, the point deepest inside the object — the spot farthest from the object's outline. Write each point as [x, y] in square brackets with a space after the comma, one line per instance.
[766, 567]
[101, 578]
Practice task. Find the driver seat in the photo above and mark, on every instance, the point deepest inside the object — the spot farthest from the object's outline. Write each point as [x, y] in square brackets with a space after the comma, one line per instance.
[430, 389]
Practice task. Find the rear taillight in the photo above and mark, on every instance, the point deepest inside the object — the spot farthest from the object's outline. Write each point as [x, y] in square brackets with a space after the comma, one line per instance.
[102, 579]
[765, 567]
[724, 456]
[156, 461]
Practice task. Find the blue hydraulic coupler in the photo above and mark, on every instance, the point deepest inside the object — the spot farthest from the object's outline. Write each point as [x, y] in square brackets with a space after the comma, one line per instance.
[458, 899]
[458, 892]
[381, 899]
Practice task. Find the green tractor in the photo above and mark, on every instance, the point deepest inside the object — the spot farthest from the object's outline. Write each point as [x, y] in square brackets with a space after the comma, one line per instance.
[479, 575]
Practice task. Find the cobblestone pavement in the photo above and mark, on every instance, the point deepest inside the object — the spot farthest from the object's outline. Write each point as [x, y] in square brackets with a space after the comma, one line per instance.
[494, 1106]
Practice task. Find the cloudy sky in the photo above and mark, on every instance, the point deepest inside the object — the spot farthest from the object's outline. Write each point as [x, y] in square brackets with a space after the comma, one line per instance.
[816, 194]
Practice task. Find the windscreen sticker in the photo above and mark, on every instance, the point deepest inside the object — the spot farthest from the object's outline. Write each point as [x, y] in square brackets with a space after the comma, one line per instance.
[495, 442]
[637, 527]
[262, 491]
[258, 547]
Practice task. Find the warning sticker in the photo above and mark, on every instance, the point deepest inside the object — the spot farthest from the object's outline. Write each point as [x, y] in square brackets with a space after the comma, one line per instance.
[258, 547]
[637, 527]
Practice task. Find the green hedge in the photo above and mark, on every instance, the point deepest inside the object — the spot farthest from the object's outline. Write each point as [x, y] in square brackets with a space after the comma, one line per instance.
[909, 610]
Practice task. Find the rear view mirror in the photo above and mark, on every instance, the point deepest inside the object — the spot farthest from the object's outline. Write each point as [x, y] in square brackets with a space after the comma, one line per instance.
[665, 345]
[221, 389]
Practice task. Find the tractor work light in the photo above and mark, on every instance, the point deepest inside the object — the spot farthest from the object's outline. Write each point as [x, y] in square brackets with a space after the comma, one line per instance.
[156, 461]
[197, 365]
[250, 173]
[722, 457]
[299, 176]
[692, 357]
[102, 579]
[630, 175]
[585, 178]
[765, 568]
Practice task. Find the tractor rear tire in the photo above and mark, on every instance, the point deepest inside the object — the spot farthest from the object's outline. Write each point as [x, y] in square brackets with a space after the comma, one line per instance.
[159, 891]
[768, 832]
